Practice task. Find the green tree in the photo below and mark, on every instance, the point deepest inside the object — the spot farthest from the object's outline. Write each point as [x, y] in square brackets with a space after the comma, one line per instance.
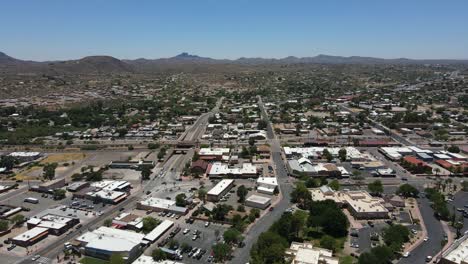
[242, 193]
[335, 185]
[4, 225]
[108, 222]
[453, 149]
[220, 212]
[269, 248]
[202, 194]
[232, 236]
[395, 236]
[153, 145]
[301, 195]
[7, 162]
[407, 190]
[221, 252]
[145, 173]
[327, 155]
[49, 171]
[342, 154]
[196, 156]
[149, 223]
[17, 219]
[158, 254]
[328, 242]
[180, 199]
[375, 187]
[59, 194]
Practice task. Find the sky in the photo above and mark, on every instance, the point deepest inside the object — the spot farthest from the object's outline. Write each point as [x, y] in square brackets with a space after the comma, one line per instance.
[58, 29]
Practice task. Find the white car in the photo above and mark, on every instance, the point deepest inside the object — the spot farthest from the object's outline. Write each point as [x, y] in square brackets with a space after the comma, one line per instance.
[207, 224]
[36, 257]
[407, 254]
[426, 239]
[186, 231]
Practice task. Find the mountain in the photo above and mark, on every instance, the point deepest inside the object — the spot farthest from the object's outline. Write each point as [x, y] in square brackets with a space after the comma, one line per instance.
[184, 62]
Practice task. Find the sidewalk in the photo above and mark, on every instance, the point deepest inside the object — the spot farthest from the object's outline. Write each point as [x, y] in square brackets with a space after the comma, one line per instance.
[416, 214]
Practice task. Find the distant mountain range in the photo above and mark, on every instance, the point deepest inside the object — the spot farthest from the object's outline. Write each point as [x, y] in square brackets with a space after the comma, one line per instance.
[109, 65]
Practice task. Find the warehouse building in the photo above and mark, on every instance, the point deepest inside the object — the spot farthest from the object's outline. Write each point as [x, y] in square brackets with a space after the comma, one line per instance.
[103, 242]
[257, 201]
[221, 170]
[219, 190]
[30, 237]
[161, 205]
[158, 231]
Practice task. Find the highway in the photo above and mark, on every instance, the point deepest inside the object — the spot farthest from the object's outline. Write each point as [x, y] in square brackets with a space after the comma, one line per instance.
[242, 255]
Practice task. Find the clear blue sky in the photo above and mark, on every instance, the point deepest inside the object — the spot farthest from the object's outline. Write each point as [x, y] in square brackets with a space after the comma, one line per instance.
[53, 30]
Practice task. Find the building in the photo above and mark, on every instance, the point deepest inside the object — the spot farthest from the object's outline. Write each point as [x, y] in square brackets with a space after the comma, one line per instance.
[49, 186]
[8, 210]
[30, 237]
[107, 191]
[352, 153]
[199, 166]
[76, 186]
[457, 253]
[128, 221]
[149, 260]
[213, 153]
[221, 170]
[161, 205]
[267, 185]
[219, 190]
[258, 201]
[305, 166]
[158, 231]
[306, 253]
[105, 241]
[359, 203]
[56, 224]
[6, 188]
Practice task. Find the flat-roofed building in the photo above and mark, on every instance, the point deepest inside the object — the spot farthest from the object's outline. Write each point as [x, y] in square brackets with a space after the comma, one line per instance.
[457, 253]
[213, 153]
[8, 210]
[31, 237]
[267, 185]
[158, 231]
[105, 241]
[359, 203]
[219, 190]
[149, 260]
[57, 224]
[258, 201]
[161, 205]
[221, 170]
[306, 253]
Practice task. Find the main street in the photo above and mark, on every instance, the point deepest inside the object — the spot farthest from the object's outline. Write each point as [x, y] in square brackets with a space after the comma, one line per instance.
[242, 255]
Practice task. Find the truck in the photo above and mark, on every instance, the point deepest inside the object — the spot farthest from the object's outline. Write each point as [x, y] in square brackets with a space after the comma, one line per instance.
[31, 200]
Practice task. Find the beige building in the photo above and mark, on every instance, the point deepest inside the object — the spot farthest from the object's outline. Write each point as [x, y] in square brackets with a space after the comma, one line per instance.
[457, 253]
[306, 253]
[359, 203]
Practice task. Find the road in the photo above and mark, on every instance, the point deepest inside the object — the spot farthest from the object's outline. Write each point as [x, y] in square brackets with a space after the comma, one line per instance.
[242, 255]
[436, 235]
[198, 128]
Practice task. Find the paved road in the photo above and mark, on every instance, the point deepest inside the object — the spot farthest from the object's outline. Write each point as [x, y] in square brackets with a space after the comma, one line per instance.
[435, 234]
[198, 128]
[242, 255]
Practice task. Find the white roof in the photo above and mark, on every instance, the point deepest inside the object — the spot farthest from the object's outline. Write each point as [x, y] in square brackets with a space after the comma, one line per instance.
[351, 152]
[31, 233]
[149, 260]
[219, 168]
[213, 151]
[158, 202]
[458, 251]
[267, 181]
[220, 187]
[258, 199]
[110, 239]
[159, 230]
[24, 154]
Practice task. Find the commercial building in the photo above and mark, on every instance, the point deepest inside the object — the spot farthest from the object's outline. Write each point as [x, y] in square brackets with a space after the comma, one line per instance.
[352, 153]
[219, 190]
[76, 186]
[149, 260]
[158, 231]
[213, 153]
[56, 224]
[267, 185]
[307, 167]
[457, 253]
[306, 253]
[221, 170]
[108, 191]
[359, 203]
[161, 205]
[31, 237]
[6, 188]
[49, 186]
[128, 221]
[105, 241]
[258, 201]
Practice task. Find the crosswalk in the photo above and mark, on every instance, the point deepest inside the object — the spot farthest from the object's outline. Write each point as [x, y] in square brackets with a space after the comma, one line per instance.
[44, 260]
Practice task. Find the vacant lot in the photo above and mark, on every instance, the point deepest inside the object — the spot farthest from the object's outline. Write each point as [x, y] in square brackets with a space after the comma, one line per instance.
[63, 157]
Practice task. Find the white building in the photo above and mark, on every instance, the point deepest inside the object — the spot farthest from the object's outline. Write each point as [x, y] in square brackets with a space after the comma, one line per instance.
[359, 203]
[149, 260]
[104, 241]
[306, 253]
[158, 231]
[457, 253]
[218, 170]
[258, 201]
[267, 185]
[161, 205]
[219, 190]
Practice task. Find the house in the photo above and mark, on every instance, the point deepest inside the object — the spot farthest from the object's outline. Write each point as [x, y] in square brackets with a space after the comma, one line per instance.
[306, 253]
